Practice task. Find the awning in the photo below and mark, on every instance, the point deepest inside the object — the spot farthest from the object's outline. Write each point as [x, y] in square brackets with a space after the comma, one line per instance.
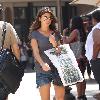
[93, 11]
[87, 2]
[83, 9]
[85, 6]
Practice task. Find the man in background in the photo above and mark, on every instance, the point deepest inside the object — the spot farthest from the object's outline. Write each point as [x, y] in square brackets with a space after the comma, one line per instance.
[93, 48]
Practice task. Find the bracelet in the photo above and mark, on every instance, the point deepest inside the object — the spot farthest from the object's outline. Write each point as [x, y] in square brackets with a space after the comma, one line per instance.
[57, 48]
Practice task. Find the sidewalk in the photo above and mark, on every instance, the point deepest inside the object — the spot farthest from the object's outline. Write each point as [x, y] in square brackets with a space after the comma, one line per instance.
[91, 89]
[28, 90]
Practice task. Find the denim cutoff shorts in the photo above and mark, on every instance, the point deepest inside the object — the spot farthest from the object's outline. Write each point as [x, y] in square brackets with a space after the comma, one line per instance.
[43, 78]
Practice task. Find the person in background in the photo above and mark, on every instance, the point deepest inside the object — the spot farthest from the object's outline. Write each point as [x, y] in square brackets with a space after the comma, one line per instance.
[93, 48]
[76, 39]
[11, 40]
[65, 31]
[87, 28]
[24, 54]
[31, 60]
[44, 36]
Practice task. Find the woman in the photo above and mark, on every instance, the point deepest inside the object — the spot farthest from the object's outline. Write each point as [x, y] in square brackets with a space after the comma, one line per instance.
[11, 41]
[42, 39]
[77, 41]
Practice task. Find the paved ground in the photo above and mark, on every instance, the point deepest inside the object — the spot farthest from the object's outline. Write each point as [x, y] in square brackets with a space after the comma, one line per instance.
[28, 90]
[91, 89]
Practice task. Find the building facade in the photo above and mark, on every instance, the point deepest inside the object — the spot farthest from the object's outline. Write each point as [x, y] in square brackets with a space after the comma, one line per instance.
[21, 13]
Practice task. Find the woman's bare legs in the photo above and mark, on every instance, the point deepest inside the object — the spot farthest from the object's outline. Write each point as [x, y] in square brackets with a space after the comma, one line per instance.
[45, 92]
[59, 92]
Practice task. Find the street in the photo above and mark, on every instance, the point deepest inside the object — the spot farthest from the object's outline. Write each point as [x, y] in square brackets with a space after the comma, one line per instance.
[28, 90]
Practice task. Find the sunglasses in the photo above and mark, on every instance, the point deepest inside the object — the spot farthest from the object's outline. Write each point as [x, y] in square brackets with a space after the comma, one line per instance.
[46, 17]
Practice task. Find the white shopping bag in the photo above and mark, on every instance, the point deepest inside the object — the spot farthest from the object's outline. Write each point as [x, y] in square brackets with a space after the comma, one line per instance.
[66, 65]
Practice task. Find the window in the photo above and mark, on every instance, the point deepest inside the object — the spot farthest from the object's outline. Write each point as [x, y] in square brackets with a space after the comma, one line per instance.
[20, 12]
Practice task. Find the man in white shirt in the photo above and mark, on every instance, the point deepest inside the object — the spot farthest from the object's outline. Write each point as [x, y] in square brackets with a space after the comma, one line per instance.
[93, 48]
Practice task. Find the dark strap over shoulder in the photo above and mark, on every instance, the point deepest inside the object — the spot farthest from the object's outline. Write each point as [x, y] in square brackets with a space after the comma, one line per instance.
[3, 34]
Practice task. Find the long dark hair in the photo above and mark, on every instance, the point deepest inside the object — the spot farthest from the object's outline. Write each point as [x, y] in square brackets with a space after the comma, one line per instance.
[77, 23]
[37, 24]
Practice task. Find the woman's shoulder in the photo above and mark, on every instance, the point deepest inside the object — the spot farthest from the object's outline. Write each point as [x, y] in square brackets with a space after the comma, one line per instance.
[34, 34]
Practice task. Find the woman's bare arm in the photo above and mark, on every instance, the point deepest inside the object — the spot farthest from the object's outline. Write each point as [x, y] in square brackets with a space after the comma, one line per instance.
[96, 46]
[35, 49]
[16, 50]
[73, 36]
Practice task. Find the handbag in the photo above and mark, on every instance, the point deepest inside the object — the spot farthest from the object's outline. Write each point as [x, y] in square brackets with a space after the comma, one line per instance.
[11, 72]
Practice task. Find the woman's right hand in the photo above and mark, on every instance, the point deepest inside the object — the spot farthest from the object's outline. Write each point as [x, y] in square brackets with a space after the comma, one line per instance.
[52, 40]
[45, 67]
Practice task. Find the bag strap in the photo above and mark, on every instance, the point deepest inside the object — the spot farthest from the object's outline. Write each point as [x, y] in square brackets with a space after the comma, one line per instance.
[4, 32]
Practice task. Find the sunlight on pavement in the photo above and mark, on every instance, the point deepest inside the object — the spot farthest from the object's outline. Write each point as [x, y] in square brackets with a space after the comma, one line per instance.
[28, 90]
